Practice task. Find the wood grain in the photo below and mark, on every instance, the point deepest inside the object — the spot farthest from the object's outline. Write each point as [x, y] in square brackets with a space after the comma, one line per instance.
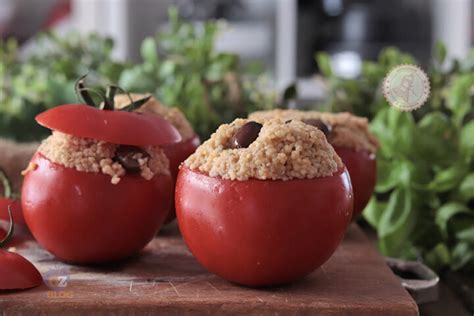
[166, 279]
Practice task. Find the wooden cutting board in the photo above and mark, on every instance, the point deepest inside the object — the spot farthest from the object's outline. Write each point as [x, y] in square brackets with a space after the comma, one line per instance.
[166, 279]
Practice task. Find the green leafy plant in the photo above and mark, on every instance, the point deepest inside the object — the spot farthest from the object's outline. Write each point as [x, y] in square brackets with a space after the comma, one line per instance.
[45, 79]
[423, 206]
[182, 68]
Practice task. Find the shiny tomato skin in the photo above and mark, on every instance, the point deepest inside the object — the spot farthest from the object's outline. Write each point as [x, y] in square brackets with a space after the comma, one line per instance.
[177, 153]
[362, 167]
[17, 212]
[260, 233]
[82, 218]
[17, 273]
[117, 127]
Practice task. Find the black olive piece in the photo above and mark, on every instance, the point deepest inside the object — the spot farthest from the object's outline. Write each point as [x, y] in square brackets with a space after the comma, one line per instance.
[125, 156]
[323, 127]
[246, 135]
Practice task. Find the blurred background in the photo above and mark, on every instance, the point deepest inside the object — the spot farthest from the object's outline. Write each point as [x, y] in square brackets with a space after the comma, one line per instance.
[281, 34]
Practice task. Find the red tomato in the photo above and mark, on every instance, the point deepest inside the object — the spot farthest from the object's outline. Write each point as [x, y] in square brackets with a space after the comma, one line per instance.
[111, 126]
[83, 218]
[16, 210]
[17, 273]
[363, 171]
[259, 233]
[177, 153]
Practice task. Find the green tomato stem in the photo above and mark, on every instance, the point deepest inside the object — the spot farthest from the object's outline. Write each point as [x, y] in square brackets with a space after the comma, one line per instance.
[11, 230]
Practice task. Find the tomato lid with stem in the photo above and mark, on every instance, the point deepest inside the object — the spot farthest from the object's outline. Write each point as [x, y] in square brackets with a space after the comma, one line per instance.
[106, 123]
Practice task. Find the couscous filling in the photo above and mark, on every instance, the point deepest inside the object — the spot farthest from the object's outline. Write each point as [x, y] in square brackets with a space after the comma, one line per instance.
[346, 130]
[89, 155]
[273, 150]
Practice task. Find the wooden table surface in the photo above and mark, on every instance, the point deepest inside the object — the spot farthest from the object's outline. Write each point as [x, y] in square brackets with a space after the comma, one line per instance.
[166, 279]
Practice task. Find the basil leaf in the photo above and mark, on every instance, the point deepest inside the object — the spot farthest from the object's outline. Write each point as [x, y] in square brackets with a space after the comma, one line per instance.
[462, 256]
[396, 224]
[397, 213]
[372, 72]
[447, 212]
[402, 127]
[458, 97]
[380, 128]
[373, 211]
[466, 235]
[466, 188]
[324, 63]
[167, 68]
[436, 139]
[438, 257]
[137, 80]
[149, 52]
[448, 179]
[392, 173]
[467, 139]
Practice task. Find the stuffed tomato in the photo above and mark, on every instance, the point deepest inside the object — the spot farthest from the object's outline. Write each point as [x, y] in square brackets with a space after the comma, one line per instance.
[99, 188]
[176, 152]
[350, 137]
[263, 205]
[362, 168]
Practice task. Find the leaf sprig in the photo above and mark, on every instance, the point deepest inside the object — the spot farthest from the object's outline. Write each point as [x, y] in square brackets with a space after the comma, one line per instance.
[180, 66]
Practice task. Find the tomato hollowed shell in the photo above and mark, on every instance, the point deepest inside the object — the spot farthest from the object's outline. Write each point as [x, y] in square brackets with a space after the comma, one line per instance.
[117, 127]
[177, 153]
[82, 218]
[260, 233]
[362, 167]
